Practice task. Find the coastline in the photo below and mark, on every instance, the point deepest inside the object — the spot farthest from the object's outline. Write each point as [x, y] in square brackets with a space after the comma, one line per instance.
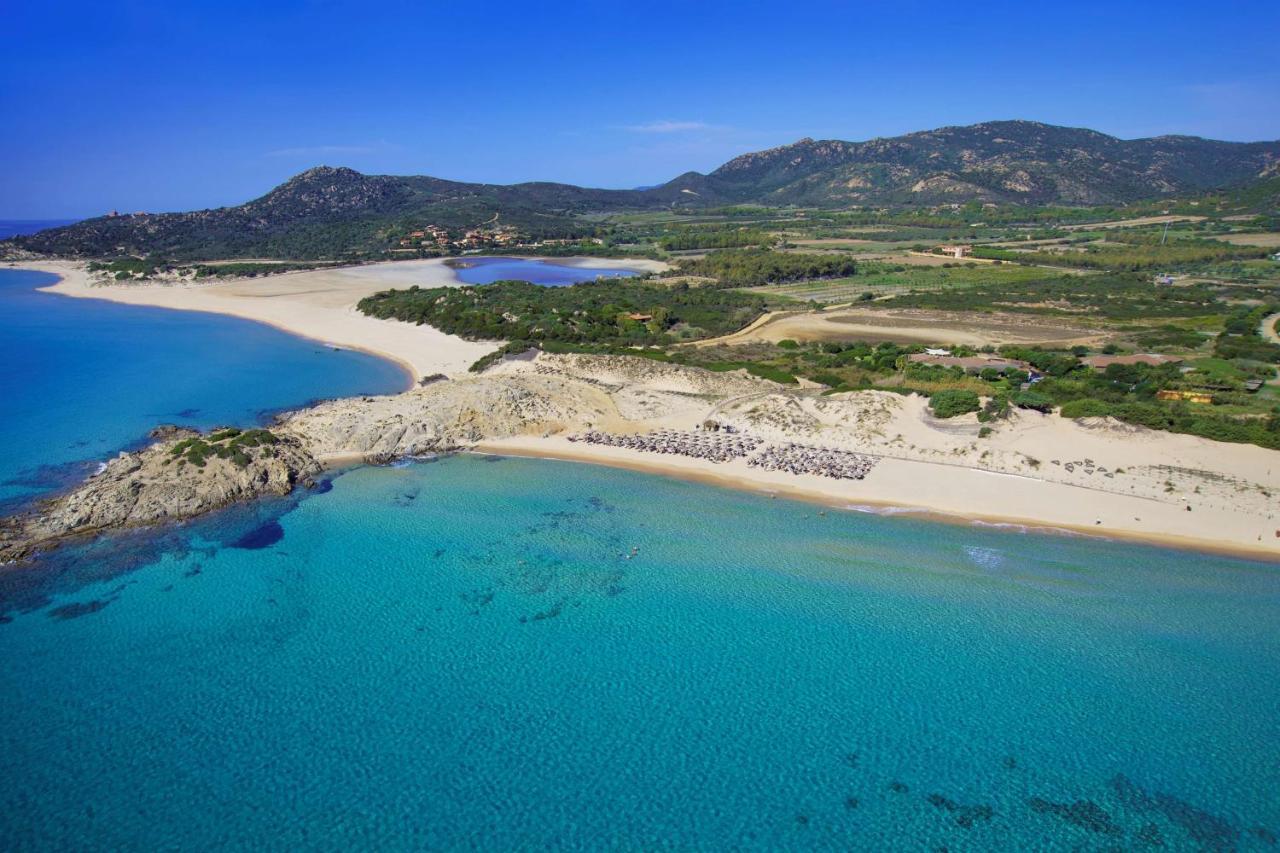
[923, 470]
[315, 304]
[898, 487]
[318, 305]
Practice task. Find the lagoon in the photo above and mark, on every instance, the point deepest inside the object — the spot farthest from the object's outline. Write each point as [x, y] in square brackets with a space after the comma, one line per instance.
[549, 273]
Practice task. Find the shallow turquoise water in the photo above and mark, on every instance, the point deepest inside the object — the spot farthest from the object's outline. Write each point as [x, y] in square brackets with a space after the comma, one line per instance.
[81, 378]
[486, 270]
[461, 655]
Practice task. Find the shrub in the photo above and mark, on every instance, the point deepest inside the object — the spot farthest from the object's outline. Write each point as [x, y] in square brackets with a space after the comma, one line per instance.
[948, 404]
[1032, 400]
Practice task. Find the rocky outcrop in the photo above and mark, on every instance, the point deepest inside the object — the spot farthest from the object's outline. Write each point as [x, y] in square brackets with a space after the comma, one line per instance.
[446, 416]
[155, 485]
[185, 474]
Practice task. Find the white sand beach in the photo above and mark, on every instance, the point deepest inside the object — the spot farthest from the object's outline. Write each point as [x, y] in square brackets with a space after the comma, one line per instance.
[1094, 476]
[318, 304]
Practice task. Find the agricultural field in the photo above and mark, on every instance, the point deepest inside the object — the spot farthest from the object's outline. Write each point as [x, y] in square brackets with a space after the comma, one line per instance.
[877, 280]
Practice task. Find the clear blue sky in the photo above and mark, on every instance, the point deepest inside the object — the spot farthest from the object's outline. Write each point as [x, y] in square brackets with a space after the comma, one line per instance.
[178, 105]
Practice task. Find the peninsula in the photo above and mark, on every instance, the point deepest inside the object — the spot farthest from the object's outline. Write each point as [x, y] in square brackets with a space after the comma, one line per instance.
[1091, 475]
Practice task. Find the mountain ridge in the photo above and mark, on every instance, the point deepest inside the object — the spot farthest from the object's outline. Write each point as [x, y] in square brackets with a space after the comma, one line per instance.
[326, 211]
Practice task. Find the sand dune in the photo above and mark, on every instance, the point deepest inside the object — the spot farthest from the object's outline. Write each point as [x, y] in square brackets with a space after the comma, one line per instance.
[1096, 476]
[318, 304]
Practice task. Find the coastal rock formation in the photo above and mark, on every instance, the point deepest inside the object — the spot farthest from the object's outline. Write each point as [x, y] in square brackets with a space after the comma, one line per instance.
[447, 415]
[545, 400]
[155, 485]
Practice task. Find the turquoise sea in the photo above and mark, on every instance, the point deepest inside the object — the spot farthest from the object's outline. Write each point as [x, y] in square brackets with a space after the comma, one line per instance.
[82, 379]
[505, 654]
[501, 653]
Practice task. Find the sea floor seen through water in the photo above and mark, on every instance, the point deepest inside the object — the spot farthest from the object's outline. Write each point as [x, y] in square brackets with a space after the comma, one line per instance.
[504, 653]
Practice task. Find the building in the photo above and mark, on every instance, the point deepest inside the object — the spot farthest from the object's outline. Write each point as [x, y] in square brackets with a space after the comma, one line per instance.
[956, 251]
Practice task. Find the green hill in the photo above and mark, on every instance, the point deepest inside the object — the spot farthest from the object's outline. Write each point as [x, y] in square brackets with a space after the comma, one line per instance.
[336, 212]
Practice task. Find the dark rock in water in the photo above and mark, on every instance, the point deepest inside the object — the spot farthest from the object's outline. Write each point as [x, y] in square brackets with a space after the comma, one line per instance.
[191, 572]
[1082, 813]
[263, 536]
[1131, 796]
[438, 553]
[851, 803]
[1207, 830]
[478, 598]
[168, 588]
[965, 816]
[489, 457]
[802, 819]
[552, 612]
[851, 759]
[322, 487]
[165, 432]
[1010, 763]
[1264, 835]
[897, 787]
[77, 609]
[1150, 836]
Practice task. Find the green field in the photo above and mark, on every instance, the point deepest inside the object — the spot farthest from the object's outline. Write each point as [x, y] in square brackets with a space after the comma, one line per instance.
[892, 279]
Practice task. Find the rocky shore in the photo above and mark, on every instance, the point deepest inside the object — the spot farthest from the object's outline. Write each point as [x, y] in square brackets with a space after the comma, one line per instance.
[157, 485]
[1168, 488]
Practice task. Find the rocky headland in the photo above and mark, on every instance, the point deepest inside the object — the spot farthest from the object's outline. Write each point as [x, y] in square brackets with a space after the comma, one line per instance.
[1094, 474]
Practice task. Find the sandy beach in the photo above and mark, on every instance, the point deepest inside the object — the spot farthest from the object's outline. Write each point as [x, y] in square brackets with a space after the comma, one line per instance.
[949, 493]
[1094, 476]
[318, 304]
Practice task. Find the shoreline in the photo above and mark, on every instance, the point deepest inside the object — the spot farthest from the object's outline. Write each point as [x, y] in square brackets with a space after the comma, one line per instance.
[865, 496]
[319, 305]
[921, 470]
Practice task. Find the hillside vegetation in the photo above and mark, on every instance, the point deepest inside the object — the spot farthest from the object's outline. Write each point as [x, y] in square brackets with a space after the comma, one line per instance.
[339, 213]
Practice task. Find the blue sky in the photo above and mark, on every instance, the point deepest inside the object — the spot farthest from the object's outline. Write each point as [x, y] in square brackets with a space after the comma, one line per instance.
[179, 105]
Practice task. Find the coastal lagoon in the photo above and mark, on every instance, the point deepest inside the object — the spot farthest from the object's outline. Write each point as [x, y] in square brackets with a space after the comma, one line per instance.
[549, 273]
[83, 379]
[510, 653]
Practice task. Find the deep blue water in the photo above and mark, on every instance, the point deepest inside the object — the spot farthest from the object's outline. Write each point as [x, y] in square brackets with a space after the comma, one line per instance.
[462, 655]
[82, 379]
[485, 270]
[14, 227]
